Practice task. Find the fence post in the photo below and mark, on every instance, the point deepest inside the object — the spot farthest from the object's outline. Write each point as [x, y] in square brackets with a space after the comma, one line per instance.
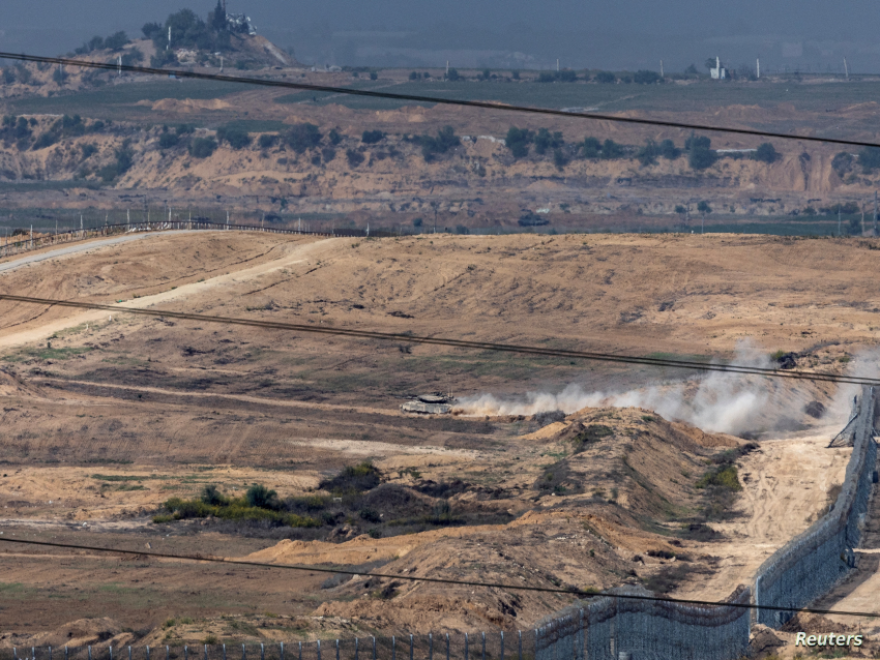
[50, 653]
[501, 656]
[393, 648]
[430, 647]
[355, 649]
[110, 648]
[466, 657]
[66, 653]
[410, 648]
[262, 651]
[185, 652]
[374, 648]
[167, 652]
[447, 646]
[243, 652]
[337, 650]
[281, 656]
[129, 652]
[90, 652]
[484, 646]
[224, 652]
[148, 653]
[206, 652]
[319, 649]
[300, 651]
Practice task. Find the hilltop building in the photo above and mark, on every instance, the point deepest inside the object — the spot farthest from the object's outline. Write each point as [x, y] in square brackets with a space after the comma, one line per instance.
[718, 72]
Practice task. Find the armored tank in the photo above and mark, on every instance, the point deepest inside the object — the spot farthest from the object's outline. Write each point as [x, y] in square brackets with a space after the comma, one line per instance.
[428, 404]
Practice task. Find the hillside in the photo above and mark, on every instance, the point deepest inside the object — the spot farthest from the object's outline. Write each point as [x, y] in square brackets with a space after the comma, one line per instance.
[389, 179]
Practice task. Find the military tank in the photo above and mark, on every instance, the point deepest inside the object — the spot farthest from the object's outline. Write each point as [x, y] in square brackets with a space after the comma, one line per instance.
[428, 404]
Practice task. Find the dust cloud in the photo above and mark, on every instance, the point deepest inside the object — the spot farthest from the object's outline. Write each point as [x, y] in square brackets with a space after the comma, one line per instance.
[717, 402]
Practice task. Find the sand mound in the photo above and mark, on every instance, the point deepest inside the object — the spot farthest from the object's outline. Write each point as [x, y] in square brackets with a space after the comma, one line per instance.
[186, 105]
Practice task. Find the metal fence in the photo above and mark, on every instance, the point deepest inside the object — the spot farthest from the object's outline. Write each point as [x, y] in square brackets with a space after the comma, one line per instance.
[810, 564]
[611, 627]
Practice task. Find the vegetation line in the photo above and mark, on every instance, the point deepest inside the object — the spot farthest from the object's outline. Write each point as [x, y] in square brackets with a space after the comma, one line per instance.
[486, 105]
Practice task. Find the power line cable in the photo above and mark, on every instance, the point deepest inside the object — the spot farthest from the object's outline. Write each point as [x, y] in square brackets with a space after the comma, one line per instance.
[485, 105]
[460, 343]
[573, 591]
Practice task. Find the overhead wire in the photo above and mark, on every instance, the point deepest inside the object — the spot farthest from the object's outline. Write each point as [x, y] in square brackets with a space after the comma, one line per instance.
[419, 98]
[571, 591]
[816, 376]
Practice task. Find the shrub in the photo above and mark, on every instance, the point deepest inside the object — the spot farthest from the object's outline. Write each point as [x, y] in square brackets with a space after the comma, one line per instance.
[260, 497]
[605, 77]
[370, 515]
[869, 158]
[237, 137]
[842, 164]
[546, 77]
[560, 160]
[372, 137]
[8, 76]
[374, 75]
[453, 75]
[681, 210]
[354, 479]
[415, 75]
[765, 153]
[703, 207]
[647, 77]
[212, 496]
[267, 141]
[335, 137]
[648, 154]
[518, 140]
[328, 154]
[611, 150]
[302, 137]
[116, 41]
[202, 147]
[167, 139]
[725, 476]
[700, 154]
[545, 140]
[446, 139]
[89, 150]
[354, 158]
[668, 150]
[567, 76]
[591, 147]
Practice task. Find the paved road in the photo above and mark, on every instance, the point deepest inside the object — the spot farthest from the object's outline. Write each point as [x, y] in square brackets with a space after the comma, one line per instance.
[79, 247]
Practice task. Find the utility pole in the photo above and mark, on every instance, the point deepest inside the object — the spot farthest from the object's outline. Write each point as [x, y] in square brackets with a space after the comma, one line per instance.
[557, 65]
[758, 69]
[127, 220]
[447, 68]
[227, 219]
[838, 220]
[82, 231]
[846, 68]
[32, 237]
[661, 69]
[169, 37]
[119, 65]
[875, 213]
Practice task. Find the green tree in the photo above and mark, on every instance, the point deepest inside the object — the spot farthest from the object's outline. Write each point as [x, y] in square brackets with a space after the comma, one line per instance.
[446, 139]
[869, 158]
[117, 41]
[335, 137]
[372, 137]
[453, 75]
[611, 150]
[703, 207]
[202, 147]
[668, 150]
[217, 18]
[261, 497]
[592, 148]
[545, 140]
[700, 154]
[236, 137]
[302, 137]
[212, 496]
[766, 153]
[647, 77]
[605, 77]
[648, 154]
[518, 141]
[560, 160]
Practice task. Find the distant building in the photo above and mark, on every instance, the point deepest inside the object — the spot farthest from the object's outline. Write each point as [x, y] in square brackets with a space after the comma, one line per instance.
[718, 72]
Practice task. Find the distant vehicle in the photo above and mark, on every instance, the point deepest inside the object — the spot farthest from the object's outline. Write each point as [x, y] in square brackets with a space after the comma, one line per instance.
[428, 404]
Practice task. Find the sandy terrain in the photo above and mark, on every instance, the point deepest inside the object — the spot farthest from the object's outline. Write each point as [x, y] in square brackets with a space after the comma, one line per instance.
[112, 419]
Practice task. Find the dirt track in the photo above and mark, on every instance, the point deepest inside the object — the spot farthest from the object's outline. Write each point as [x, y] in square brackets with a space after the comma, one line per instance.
[121, 416]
